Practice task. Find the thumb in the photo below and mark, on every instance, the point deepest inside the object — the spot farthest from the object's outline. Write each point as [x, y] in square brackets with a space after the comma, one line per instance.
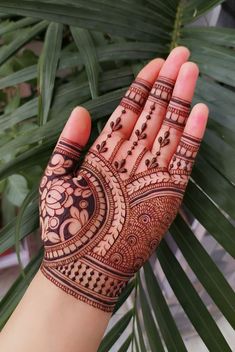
[78, 127]
[73, 138]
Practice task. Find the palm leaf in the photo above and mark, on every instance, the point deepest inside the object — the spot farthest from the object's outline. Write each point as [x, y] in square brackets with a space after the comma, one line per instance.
[191, 301]
[205, 269]
[115, 332]
[29, 33]
[47, 69]
[153, 335]
[162, 313]
[86, 47]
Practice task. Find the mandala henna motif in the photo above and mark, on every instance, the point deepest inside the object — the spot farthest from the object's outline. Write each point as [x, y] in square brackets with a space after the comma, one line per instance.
[99, 229]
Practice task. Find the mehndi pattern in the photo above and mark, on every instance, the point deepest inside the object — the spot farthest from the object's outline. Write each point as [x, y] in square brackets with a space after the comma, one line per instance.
[99, 229]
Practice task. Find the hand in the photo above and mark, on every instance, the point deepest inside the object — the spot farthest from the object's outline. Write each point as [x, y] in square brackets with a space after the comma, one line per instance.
[100, 223]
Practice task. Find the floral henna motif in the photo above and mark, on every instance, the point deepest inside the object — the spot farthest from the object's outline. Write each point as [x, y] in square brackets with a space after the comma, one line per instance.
[133, 100]
[97, 229]
[176, 117]
[115, 126]
[160, 94]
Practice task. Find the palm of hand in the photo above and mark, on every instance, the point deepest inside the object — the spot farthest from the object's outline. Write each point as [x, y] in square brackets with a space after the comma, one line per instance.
[102, 222]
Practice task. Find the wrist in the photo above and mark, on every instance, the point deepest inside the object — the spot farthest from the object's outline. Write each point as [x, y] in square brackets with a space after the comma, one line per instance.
[88, 279]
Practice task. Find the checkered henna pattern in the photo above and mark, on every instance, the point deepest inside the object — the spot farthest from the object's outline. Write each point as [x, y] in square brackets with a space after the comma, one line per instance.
[98, 229]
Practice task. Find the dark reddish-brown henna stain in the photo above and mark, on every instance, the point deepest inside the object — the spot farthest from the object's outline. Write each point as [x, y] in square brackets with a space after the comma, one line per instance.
[97, 229]
[176, 117]
[160, 94]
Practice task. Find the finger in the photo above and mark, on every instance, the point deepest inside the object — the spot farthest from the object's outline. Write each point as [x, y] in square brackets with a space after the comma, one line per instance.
[70, 143]
[151, 118]
[123, 119]
[176, 116]
[182, 161]
[133, 152]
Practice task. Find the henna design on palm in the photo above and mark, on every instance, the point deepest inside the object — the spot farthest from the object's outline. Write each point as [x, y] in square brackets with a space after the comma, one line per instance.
[99, 228]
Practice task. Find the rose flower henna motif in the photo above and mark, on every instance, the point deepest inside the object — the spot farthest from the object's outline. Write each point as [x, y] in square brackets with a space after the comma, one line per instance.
[100, 223]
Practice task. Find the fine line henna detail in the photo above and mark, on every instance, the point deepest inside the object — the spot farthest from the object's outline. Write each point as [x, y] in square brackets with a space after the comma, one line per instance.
[114, 126]
[140, 135]
[176, 117]
[98, 227]
[182, 161]
[161, 91]
[160, 94]
[99, 230]
[136, 95]
[133, 100]
[177, 113]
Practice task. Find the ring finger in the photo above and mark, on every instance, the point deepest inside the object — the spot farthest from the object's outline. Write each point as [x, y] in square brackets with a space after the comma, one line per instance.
[176, 116]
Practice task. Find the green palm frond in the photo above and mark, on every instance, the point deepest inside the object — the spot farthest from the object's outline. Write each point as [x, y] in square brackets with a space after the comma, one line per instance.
[91, 52]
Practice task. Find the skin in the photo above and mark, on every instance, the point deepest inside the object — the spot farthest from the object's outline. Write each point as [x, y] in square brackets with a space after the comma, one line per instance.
[47, 319]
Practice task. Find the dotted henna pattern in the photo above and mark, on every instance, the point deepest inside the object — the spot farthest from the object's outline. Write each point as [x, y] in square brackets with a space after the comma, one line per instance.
[176, 116]
[133, 100]
[160, 94]
[99, 229]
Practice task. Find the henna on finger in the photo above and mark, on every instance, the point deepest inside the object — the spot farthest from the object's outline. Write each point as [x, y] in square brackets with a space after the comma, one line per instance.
[136, 95]
[64, 158]
[99, 229]
[170, 133]
[134, 101]
[159, 96]
[183, 160]
[177, 113]
[161, 91]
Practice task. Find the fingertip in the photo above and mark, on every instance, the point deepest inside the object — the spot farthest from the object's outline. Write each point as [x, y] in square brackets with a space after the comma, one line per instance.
[190, 67]
[181, 50]
[177, 57]
[202, 108]
[197, 121]
[78, 126]
[150, 71]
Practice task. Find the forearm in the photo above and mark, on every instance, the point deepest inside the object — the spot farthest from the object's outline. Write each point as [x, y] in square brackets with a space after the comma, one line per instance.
[47, 319]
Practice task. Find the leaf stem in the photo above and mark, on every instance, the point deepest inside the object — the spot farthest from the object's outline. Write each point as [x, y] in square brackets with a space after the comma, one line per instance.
[134, 313]
[177, 25]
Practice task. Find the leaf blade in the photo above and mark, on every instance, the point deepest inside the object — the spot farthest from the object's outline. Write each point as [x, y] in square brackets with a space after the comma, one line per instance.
[205, 269]
[162, 313]
[89, 57]
[115, 332]
[191, 301]
[48, 63]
